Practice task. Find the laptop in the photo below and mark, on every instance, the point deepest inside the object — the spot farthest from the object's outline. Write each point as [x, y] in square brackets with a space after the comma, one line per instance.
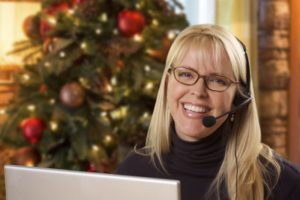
[31, 183]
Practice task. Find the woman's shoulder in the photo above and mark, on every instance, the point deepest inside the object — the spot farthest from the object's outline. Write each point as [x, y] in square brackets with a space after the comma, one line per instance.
[289, 171]
[288, 186]
[138, 163]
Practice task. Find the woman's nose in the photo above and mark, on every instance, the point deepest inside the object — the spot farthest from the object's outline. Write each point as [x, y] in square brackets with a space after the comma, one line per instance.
[199, 88]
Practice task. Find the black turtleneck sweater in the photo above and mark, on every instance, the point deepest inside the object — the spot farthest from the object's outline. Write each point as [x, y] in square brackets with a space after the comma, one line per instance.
[195, 165]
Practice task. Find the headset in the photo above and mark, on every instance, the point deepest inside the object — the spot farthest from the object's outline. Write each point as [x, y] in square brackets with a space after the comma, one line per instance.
[238, 102]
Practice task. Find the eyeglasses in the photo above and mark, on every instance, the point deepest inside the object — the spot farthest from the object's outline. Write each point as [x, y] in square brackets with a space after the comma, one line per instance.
[189, 76]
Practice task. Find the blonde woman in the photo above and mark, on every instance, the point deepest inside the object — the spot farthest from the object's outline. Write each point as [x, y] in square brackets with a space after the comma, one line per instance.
[205, 130]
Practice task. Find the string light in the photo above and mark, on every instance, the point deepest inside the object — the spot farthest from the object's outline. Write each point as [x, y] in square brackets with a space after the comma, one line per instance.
[95, 148]
[26, 77]
[108, 88]
[29, 163]
[155, 22]
[52, 20]
[147, 68]
[137, 38]
[62, 54]
[71, 12]
[52, 101]
[149, 86]
[2, 111]
[115, 31]
[145, 115]
[47, 64]
[171, 35]
[103, 114]
[83, 45]
[103, 17]
[53, 126]
[113, 81]
[138, 6]
[98, 31]
[31, 108]
[103, 118]
[107, 139]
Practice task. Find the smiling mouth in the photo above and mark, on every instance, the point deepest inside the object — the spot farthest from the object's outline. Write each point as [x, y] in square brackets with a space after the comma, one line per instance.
[196, 109]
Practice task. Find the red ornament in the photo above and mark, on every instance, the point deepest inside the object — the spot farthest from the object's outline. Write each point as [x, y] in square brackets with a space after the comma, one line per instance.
[42, 88]
[91, 167]
[130, 22]
[78, 2]
[45, 28]
[51, 11]
[31, 27]
[56, 8]
[32, 129]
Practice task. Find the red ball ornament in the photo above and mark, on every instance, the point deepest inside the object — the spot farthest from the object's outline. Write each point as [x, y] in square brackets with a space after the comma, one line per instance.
[45, 27]
[91, 167]
[78, 2]
[31, 27]
[32, 129]
[72, 95]
[130, 22]
[42, 88]
[56, 8]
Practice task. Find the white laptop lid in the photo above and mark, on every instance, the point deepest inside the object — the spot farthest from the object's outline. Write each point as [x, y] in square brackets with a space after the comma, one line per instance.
[28, 183]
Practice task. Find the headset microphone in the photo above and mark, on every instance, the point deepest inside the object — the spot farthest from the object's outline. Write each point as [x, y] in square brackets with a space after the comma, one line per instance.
[209, 121]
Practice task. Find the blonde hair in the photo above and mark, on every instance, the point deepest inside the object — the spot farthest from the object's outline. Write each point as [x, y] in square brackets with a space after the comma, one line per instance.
[246, 178]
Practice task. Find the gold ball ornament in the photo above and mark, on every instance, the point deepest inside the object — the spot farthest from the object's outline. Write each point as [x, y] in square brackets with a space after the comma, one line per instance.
[31, 27]
[72, 95]
[109, 140]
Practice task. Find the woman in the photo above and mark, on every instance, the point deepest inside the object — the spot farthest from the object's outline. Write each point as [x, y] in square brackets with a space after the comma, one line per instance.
[205, 130]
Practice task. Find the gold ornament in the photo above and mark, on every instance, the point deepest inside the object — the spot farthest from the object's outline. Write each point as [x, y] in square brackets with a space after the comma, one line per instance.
[109, 140]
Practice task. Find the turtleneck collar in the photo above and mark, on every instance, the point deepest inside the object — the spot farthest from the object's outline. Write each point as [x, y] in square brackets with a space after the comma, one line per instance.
[200, 158]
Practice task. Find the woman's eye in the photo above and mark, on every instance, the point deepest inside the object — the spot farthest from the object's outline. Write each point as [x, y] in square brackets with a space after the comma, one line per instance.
[185, 75]
[217, 80]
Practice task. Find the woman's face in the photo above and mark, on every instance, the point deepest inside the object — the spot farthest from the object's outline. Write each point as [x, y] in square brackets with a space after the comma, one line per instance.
[188, 104]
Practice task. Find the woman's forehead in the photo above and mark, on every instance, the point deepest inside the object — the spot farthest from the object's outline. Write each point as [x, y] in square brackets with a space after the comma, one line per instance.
[213, 60]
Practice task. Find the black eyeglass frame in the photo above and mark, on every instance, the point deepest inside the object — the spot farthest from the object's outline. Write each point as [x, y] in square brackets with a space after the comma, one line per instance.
[204, 78]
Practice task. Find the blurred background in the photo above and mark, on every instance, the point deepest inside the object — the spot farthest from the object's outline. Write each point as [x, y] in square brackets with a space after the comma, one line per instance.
[78, 78]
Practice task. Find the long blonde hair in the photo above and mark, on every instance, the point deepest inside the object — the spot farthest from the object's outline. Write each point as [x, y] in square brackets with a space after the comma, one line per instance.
[247, 181]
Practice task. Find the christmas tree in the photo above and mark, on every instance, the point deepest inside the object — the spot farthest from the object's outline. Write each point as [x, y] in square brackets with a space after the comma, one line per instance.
[91, 73]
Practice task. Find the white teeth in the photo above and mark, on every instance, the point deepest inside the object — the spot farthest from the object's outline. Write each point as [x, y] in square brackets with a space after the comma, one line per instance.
[194, 108]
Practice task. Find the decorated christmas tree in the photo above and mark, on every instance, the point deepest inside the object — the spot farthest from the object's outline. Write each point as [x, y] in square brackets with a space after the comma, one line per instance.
[91, 73]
